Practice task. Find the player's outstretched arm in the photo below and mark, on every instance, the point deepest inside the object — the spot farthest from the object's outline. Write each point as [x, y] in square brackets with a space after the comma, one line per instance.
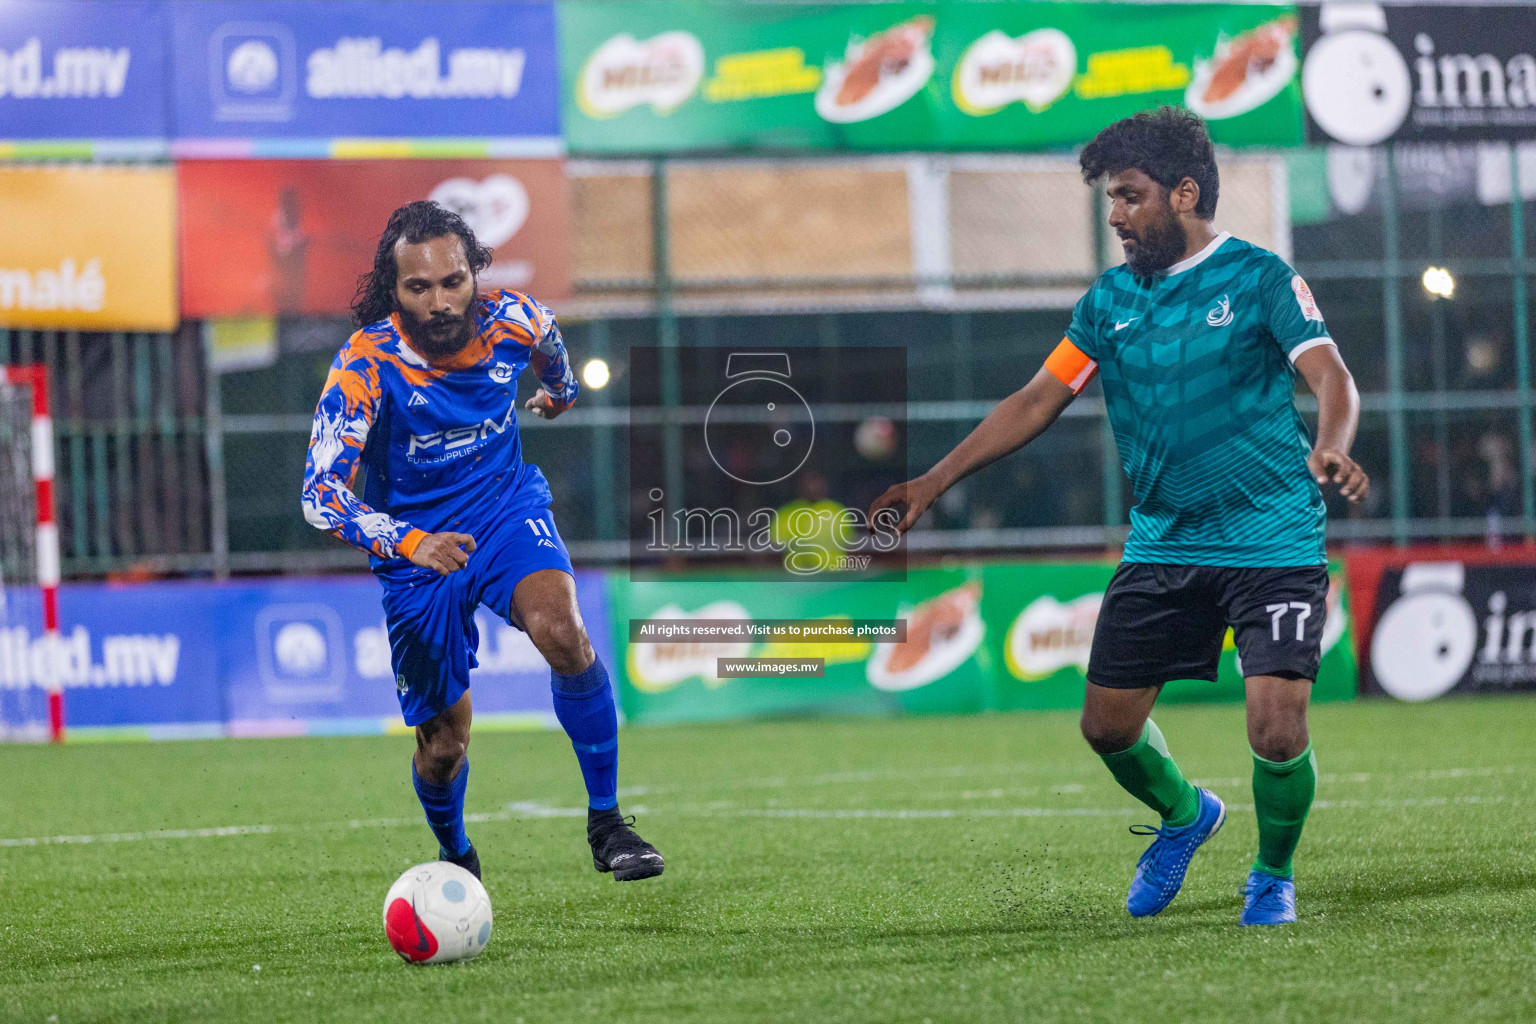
[1017, 420]
[1338, 414]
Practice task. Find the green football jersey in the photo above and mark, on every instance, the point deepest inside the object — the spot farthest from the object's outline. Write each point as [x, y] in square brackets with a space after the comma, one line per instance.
[1198, 370]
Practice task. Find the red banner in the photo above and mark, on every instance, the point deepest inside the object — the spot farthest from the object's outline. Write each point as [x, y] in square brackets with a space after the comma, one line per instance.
[290, 237]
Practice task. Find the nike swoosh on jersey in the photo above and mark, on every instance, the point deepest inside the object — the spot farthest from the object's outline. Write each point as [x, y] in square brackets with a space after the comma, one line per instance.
[1122, 326]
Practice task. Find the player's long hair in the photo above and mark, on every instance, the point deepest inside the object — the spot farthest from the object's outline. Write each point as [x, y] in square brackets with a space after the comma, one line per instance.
[1168, 144]
[414, 222]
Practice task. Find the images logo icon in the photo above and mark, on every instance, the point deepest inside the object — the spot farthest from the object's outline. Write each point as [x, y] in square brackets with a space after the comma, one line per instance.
[1425, 641]
[1354, 80]
[760, 409]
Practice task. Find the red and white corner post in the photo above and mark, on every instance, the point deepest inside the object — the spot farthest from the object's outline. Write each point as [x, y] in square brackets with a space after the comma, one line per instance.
[36, 377]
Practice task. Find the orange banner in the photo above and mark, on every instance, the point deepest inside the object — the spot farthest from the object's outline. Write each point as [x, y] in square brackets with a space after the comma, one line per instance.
[90, 248]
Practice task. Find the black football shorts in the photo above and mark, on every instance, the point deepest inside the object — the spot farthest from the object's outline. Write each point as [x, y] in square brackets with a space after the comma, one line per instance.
[1165, 622]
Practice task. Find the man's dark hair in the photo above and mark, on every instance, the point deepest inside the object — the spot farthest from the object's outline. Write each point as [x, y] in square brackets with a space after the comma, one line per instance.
[414, 222]
[1168, 145]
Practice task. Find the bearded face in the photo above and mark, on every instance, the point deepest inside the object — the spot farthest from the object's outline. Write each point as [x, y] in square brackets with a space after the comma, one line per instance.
[439, 334]
[1157, 243]
[435, 295]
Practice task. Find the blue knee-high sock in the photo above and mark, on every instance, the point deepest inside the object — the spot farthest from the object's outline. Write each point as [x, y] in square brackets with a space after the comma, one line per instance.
[445, 809]
[584, 705]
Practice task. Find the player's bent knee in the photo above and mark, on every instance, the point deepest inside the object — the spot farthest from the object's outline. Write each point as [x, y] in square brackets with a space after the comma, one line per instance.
[442, 757]
[1106, 737]
[1278, 739]
[562, 641]
[440, 749]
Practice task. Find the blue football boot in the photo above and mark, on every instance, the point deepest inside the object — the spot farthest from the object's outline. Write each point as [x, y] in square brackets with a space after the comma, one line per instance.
[1268, 900]
[1160, 872]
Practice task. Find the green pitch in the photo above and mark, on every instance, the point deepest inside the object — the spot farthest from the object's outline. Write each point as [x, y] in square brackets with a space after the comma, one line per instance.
[938, 869]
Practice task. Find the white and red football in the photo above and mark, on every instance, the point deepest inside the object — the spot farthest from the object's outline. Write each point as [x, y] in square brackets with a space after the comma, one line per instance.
[436, 913]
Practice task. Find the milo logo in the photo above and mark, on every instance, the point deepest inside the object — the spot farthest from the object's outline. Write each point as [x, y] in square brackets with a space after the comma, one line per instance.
[626, 72]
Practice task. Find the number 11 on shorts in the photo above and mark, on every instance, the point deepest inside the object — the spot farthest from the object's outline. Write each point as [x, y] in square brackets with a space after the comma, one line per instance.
[1277, 612]
[538, 525]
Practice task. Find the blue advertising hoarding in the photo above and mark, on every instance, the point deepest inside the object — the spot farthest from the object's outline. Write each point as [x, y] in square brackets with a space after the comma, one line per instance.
[262, 658]
[85, 70]
[286, 78]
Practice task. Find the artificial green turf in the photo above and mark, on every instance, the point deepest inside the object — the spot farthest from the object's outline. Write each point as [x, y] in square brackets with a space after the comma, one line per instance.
[795, 889]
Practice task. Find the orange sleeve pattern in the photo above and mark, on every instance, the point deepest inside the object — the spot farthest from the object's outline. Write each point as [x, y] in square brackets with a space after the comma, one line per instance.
[1070, 365]
[343, 418]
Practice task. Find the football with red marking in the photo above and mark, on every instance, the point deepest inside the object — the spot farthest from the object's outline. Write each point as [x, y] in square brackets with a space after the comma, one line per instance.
[436, 913]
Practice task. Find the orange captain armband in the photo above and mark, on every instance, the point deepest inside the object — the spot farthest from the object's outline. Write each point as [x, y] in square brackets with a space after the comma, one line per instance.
[407, 545]
[1071, 366]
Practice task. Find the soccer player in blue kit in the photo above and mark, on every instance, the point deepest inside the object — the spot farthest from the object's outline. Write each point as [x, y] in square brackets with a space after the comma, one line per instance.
[1198, 338]
[422, 399]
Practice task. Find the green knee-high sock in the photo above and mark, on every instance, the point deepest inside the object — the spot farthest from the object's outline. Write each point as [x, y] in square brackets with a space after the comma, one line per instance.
[1282, 796]
[1148, 773]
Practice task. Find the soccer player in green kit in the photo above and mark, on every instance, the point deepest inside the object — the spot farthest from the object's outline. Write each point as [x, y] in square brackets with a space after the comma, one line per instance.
[1198, 339]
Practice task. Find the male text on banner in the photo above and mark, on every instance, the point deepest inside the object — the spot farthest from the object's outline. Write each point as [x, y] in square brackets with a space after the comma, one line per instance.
[269, 237]
[318, 71]
[88, 247]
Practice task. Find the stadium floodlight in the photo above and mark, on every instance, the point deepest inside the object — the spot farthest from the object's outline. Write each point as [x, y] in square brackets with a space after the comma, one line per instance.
[595, 373]
[1439, 282]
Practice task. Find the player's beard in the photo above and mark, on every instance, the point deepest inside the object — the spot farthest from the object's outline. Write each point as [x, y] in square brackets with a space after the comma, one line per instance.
[1157, 248]
[440, 335]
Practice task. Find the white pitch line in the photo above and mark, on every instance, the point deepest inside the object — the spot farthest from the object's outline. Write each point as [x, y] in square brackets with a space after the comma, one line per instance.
[917, 813]
[854, 779]
[533, 811]
[510, 813]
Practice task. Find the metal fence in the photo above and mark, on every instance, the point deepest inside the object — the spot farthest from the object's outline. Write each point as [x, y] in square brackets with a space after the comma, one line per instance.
[970, 262]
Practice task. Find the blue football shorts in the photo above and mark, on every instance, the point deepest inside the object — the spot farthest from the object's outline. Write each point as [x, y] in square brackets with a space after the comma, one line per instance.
[432, 634]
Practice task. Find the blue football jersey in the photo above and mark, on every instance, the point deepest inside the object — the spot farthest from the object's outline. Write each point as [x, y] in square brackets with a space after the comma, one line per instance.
[436, 442]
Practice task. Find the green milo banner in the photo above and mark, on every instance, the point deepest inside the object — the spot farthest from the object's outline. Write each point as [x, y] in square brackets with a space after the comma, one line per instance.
[980, 638]
[653, 76]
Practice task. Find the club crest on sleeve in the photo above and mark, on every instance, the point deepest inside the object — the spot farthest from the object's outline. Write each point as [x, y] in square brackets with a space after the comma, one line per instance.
[1304, 299]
